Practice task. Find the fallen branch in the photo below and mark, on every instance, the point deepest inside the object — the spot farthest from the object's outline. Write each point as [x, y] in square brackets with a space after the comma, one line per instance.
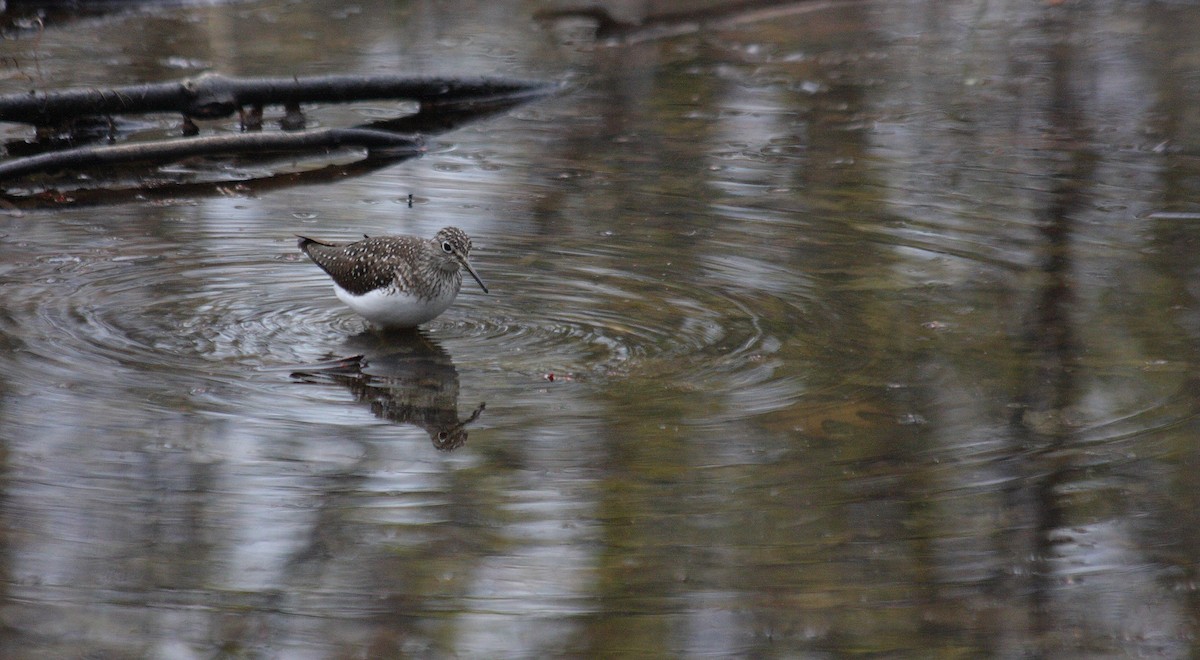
[214, 96]
[445, 103]
[391, 144]
[158, 191]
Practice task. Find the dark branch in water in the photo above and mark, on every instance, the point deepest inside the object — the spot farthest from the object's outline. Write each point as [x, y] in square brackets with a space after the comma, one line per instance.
[214, 96]
[173, 150]
[175, 190]
[73, 116]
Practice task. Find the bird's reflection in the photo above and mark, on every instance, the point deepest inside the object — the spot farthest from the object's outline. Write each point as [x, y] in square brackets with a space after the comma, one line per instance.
[405, 377]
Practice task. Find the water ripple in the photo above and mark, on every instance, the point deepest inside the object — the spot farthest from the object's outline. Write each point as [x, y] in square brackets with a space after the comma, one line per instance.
[603, 322]
[223, 317]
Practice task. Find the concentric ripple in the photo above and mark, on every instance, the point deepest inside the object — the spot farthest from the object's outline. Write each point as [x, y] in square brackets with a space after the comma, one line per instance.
[594, 314]
[159, 320]
[606, 322]
[233, 318]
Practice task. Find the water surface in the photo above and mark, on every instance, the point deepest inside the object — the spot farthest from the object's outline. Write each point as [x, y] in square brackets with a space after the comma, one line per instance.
[860, 331]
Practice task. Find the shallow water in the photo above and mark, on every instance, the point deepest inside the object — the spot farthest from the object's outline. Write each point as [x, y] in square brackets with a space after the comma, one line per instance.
[866, 330]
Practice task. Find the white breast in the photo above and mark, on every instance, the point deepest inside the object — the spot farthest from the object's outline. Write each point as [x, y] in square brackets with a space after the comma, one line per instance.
[394, 309]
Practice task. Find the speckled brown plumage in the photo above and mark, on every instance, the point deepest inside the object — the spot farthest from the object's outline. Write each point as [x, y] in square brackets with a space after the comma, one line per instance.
[418, 266]
[396, 279]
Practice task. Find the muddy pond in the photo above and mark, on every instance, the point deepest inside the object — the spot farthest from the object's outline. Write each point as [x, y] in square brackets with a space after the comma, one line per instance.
[814, 330]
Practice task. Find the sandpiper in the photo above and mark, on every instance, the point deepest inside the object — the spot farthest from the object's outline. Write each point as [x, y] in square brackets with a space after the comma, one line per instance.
[396, 281]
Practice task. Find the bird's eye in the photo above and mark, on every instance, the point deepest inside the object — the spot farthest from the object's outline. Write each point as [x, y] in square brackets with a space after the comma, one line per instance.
[446, 247]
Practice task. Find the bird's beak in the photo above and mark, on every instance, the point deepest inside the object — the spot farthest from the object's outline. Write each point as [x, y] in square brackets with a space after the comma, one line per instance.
[470, 270]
